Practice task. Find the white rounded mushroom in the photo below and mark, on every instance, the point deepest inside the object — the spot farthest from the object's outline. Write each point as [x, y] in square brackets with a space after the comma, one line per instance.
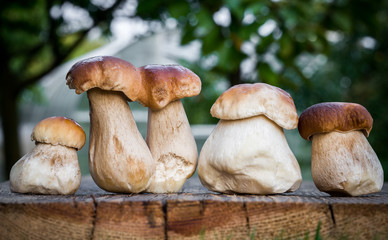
[169, 135]
[342, 160]
[119, 159]
[247, 152]
[52, 166]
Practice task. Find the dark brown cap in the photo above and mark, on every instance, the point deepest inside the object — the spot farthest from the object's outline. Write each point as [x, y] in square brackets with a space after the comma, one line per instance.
[334, 116]
[166, 83]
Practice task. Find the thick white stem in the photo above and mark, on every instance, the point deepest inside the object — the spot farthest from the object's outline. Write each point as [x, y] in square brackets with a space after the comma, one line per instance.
[345, 163]
[248, 156]
[172, 144]
[119, 158]
[47, 169]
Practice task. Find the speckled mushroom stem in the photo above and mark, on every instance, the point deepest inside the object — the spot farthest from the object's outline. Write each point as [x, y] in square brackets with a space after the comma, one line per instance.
[119, 158]
[345, 164]
[172, 145]
[47, 169]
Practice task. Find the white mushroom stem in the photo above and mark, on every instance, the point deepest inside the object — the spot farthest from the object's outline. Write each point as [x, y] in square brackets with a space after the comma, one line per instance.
[248, 156]
[119, 159]
[47, 169]
[345, 163]
[172, 144]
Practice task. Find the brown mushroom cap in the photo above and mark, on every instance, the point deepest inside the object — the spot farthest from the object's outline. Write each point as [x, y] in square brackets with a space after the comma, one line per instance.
[59, 131]
[248, 100]
[107, 73]
[334, 116]
[167, 83]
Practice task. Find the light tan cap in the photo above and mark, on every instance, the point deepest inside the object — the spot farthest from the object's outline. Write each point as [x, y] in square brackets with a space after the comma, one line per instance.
[248, 100]
[59, 131]
[334, 116]
[167, 83]
[107, 73]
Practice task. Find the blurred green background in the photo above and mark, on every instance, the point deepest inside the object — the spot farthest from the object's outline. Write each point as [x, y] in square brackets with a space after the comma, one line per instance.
[316, 50]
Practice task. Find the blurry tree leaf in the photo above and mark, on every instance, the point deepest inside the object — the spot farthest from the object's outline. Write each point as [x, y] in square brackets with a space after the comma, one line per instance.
[264, 44]
[33, 42]
[210, 42]
[266, 74]
[236, 8]
[206, 23]
[342, 20]
[286, 46]
[187, 34]
[179, 10]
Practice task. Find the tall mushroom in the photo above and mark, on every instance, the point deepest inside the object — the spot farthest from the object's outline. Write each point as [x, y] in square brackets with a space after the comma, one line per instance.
[169, 136]
[119, 158]
[247, 152]
[342, 160]
[52, 166]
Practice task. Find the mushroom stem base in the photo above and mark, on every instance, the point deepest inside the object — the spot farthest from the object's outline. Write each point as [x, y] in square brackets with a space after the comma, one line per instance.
[173, 146]
[47, 169]
[248, 156]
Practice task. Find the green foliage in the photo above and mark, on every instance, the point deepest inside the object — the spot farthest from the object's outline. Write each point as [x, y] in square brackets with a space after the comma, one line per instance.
[317, 232]
[316, 50]
[35, 37]
[277, 33]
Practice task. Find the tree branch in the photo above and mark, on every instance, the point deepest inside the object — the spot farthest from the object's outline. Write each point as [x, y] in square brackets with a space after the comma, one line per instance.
[57, 61]
[61, 57]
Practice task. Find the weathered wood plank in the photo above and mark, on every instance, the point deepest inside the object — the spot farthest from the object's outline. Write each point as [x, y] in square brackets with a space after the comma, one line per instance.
[194, 213]
[122, 218]
[47, 220]
[206, 219]
[289, 219]
[354, 222]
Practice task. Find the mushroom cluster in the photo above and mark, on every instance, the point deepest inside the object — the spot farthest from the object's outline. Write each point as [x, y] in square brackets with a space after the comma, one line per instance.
[52, 166]
[247, 152]
[119, 158]
[342, 160]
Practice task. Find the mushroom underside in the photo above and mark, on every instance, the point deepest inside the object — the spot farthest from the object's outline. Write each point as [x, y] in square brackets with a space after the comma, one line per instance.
[248, 156]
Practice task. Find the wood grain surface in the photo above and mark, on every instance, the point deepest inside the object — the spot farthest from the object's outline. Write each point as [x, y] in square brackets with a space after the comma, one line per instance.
[194, 213]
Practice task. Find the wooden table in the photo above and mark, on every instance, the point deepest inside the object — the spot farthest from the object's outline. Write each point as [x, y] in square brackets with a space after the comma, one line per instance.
[194, 213]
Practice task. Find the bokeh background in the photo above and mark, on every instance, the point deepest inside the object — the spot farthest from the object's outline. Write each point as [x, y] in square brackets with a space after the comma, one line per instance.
[317, 50]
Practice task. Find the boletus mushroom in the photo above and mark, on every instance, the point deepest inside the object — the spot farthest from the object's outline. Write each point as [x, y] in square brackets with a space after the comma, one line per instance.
[169, 135]
[342, 160]
[119, 158]
[247, 152]
[52, 166]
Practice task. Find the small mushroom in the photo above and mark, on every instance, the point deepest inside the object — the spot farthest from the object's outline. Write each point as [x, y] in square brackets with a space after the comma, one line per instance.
[342, 160]
[52, 166]
[247, 152]
[169, 135]
[119, 158]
